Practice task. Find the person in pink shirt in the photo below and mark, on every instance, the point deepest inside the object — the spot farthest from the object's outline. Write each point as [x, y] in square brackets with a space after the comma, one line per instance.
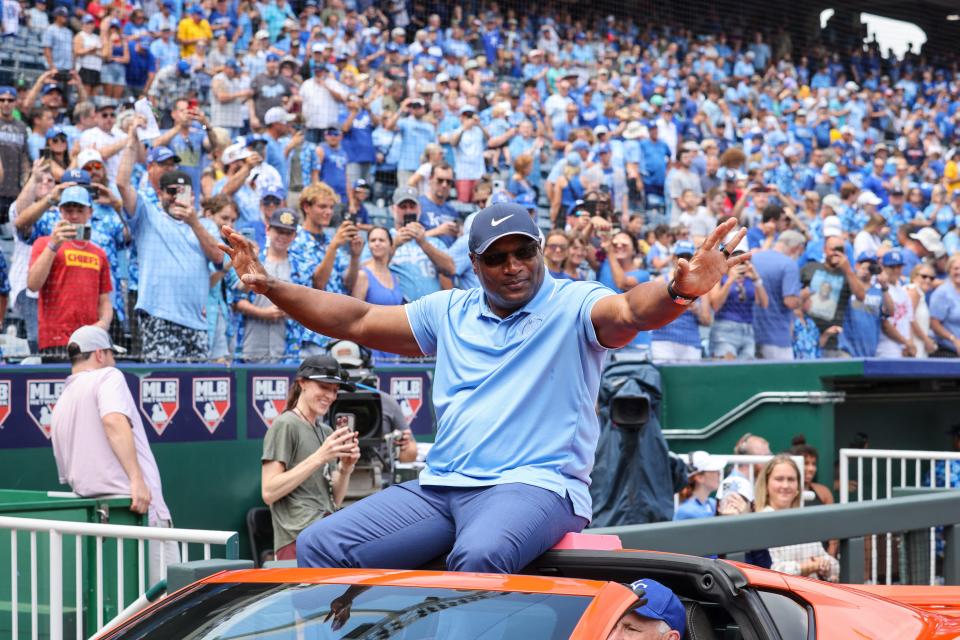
[98, 438]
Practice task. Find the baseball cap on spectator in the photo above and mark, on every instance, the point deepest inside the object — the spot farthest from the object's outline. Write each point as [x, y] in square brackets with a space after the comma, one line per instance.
[604, 148]
[61, 11]
[284, 218]
[661, 604]
[183, 67]
[701, 462]
[866, 256]
[601, 129]
[318, 47]
[581, 145]
[398, 31]
[76, 195]
[868, 197]
[791, 152]
[684, 248]
[323, 368]
[498, 221]
[896, 191]
[156, 155]
[471, 64]
[273, 191]
[347, 353]
[272, 57]
[405, 194]
[930, 240]
[277, 114]
[735, 484]
[195, 10]
[360, 183]
[633, 131]
[832, 227]
[174, 177]
[830, 169]
[262, 34]
[87, 19]
[442, 77]
[235, 153]
[75, 175]
[91, 338]
[233, 64]
[47, 88]
[467, 108]
[87, 156]
[892, 258]
[578, 205]
[833, 201]
[7, 90]
[54, 131]
[573, 159]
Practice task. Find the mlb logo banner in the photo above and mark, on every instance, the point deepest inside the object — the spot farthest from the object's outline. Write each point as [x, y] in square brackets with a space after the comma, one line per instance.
[408, 392]
[269, 397]
[4, 401]
[159, 401]
[42, 395]
[211, 400]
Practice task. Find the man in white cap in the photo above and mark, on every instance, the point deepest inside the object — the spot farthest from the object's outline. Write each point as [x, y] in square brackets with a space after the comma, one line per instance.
[508, 475]
[99, 441]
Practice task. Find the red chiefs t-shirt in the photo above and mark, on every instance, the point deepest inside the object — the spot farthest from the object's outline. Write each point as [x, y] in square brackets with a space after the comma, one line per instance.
[70, 298]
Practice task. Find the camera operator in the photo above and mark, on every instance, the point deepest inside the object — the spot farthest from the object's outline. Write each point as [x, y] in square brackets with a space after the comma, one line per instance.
[357, 362]
[301, 478]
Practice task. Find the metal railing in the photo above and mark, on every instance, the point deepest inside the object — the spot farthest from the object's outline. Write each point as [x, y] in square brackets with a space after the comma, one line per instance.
[849, 523]
[891, 471]
[56, 530]
[751, 403]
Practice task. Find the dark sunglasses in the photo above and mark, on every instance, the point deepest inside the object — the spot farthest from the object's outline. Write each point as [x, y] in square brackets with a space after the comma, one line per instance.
[444, 180]
[7, 100]
[58, 139]
[271, 201]
[926, 277]
[524, 253]
[172, 191]
[108, 114]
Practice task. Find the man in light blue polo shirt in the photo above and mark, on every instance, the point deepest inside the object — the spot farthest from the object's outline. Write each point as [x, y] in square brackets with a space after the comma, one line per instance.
[174, 246]
[518, 370]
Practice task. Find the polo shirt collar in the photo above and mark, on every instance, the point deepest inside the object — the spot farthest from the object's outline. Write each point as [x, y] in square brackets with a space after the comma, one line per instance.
[539, 301]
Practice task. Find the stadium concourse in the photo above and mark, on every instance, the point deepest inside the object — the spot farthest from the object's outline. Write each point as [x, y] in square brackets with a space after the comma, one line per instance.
[351, 141]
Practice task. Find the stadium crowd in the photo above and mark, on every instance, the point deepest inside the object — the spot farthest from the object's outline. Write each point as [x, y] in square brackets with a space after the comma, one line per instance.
[351, 140]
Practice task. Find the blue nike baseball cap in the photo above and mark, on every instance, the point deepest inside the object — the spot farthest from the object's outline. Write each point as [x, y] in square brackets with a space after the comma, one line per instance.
[662, 604]
[498, 221]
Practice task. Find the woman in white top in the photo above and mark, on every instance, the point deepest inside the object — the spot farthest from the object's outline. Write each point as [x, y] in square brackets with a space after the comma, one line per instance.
[88, 53]
[871, 237]
[921, 284]
[778, 487]
[420, 180]
[896, 335]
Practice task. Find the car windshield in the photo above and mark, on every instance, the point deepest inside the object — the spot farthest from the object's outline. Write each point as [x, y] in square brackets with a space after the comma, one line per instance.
[326, 611]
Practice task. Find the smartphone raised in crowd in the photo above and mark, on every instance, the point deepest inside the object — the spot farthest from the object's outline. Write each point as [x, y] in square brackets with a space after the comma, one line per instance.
[185, 197]
[82, 231]
[346, 420]
[408, 218]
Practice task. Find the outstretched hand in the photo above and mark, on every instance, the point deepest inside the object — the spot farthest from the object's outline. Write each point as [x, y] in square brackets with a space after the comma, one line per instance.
[243, 257]
[697, 276]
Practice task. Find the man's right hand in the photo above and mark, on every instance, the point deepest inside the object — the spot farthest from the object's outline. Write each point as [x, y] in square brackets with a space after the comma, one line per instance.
[139, 496]
[62, 232]
[346, 232]
[243, 257]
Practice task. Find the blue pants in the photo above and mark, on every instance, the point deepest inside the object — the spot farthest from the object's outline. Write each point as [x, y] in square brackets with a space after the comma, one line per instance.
[496, 529]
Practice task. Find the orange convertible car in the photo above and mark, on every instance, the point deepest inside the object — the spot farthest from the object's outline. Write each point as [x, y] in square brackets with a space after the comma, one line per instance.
[565, 594]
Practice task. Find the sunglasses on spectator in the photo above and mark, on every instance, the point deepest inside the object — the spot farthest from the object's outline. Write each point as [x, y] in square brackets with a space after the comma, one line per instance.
[444, 180]
[58, 139]
[621, 245]
[924, 276]
[93, 165]
[108, 114]
[173, 191]
[271, 201]
[524, 253]
[7, 100]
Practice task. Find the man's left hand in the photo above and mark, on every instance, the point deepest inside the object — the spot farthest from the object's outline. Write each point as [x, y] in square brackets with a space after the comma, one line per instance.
[697, 276]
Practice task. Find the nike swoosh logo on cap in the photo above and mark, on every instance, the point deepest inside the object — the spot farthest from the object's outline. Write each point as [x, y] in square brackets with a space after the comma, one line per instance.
[495, 222]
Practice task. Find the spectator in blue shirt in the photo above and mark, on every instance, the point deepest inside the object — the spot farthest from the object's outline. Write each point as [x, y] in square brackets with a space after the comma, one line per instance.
[174, 246]
[438, 218]
[778, 269]
[703, 476]
[357, 125]
[945, 312]
[415, 134]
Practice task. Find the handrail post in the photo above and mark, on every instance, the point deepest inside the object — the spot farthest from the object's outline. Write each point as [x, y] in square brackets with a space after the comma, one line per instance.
[844, 477]
[951, 555]
[231, 549]
[851, 560]
[56, 585]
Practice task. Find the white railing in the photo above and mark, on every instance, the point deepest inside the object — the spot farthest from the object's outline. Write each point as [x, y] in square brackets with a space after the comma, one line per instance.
[743, 460]
[55, 531]
[891, 469]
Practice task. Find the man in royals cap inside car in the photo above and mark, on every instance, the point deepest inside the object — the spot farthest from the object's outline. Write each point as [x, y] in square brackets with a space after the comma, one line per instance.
[660, 616]
[508, 475]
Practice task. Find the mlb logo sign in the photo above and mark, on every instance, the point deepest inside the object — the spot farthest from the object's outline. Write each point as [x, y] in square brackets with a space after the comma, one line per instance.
[408, 392]
[211, 400]
[159, 401]
[42, 395]
[270, 397]
[4, 401]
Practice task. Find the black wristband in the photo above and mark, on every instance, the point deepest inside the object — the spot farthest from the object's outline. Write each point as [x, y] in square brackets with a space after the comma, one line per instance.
[678, 297]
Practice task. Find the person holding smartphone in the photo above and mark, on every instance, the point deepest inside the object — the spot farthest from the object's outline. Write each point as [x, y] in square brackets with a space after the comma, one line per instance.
[306, 465]
[71, 274]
